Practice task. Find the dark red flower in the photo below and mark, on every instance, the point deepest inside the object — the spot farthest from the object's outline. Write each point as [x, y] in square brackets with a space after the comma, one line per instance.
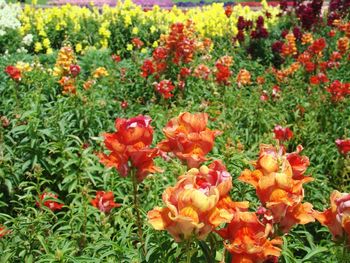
[48, 200]
[343, 146]
[104, 201]
[282, 133]
[74, 70]
[13, 72]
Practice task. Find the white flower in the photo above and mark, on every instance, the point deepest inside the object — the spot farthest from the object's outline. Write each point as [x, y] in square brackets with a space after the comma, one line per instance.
[28, 39]
[9, 16]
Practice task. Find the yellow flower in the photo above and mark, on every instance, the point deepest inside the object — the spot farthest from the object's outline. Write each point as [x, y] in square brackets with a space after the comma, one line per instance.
[153, 29]
[49, 51]
[38, 47]
[155, 44]
[46, 43]
[129, 47]
[135, 30]
[78, 48]
[144, 50]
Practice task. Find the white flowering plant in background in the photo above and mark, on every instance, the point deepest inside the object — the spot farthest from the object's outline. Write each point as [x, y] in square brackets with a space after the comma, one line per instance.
[9, 23]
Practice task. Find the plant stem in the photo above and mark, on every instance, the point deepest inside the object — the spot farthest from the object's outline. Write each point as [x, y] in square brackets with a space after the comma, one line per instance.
[137, 210]
[188, 248]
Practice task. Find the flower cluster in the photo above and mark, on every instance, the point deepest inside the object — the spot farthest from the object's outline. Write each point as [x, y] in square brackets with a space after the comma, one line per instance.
[338, 90]
[13, 72]
[193, 204]
[189, 138]
[278, 180]
[131, 143]
[223, 72]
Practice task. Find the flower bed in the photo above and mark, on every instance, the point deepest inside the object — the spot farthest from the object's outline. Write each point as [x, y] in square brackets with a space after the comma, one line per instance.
[208, 135]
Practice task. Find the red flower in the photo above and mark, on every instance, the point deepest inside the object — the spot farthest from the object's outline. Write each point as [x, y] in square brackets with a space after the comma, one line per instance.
[264, 96]
[131, 140]
[116, 58]
[228, 10]
[137, 42]
[338, 90]
[104, 201]
[160, 53]
[74, 70]
[282, 134]
[318, 46]
[343, 146]
[164, 88]
[298, 163]
[223, 73]
[147, 68]
[124, 104]
[184, 72]
[13, 72]
[47, 199]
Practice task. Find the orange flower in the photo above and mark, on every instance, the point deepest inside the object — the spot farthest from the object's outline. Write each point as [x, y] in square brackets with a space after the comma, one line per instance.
[279, 185]
[100, 72]
[65, 58]
[248, 239]
[337, 217]
[131, 141]
[260, 80]
[191, 205]
[307, 38]
[189, 138]
[3, 231]
[244, 77]
[343, 45]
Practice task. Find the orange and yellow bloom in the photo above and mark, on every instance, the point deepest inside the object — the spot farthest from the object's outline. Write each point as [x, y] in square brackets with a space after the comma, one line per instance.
[192, 204]
[189, 138]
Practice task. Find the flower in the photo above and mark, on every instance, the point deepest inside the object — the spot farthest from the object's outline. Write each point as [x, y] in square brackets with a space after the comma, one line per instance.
[147, 68]
[343, 146]
[48, 199]
[189, 138]
[278, 188]
[164, 88]
[13, 72]
[282, 133]
[74, 70]
[100, 72]
[248, 239]
[337, 217]
[191, 205]
[131, 142]
[124, 104]
[243, 77]
[228, 11]
[137, 42]
[116, 58]
[3, 231]
[104, 201]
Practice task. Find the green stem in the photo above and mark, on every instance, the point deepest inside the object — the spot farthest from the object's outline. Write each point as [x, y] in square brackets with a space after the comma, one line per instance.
[188, 250]
[137, 209]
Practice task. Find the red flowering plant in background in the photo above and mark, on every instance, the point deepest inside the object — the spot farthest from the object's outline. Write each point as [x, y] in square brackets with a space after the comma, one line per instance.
[338, 90]
[165, 87]
[343, 146]
[49, 200]
[130, 148]
[282, 133]
[223, 72]
[189, 138]
[13, 72]
[104, 201]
